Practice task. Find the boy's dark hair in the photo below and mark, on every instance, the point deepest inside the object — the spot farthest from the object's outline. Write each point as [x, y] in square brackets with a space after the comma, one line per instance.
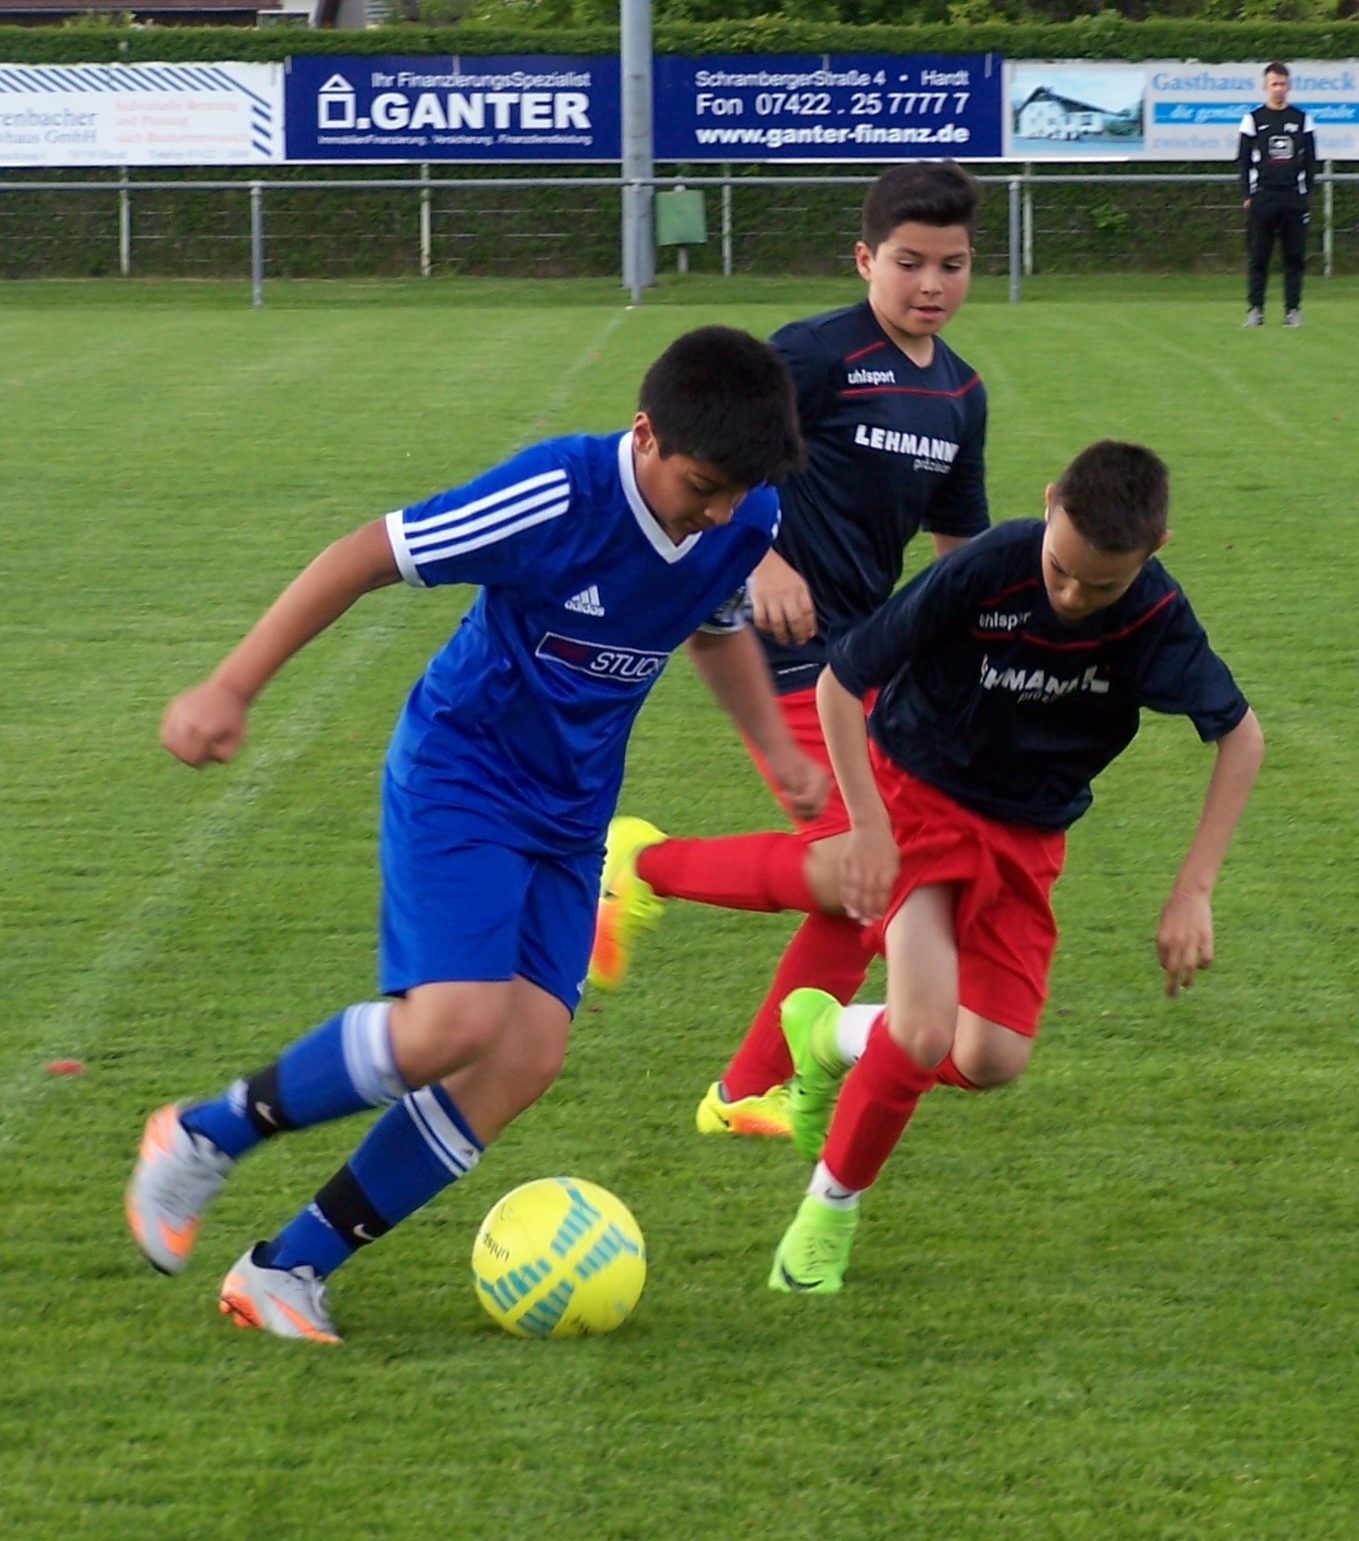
[721, 395]
[1116, 495]
[924, 192]
[1278, 69]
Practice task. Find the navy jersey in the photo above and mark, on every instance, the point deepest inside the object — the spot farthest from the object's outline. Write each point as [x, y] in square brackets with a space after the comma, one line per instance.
[521, 720]
[989, 697]
[891, 449]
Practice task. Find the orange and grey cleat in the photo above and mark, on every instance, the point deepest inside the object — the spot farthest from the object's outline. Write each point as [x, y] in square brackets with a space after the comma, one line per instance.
[176, 1177]
[627, 904]
[289, 1302]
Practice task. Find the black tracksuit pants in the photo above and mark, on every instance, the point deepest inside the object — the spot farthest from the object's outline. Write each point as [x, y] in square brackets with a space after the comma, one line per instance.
[1266, 219]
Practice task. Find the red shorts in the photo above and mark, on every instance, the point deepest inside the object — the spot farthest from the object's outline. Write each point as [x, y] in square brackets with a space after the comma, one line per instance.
[804, 723]
[1003, 874]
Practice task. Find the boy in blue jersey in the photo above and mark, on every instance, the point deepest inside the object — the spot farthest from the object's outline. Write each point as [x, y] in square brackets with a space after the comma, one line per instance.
[597, 557]
[895, 427]
[1008, 676]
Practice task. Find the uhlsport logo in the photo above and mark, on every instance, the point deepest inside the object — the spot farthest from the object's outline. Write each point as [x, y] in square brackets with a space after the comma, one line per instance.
[622, 665]
[871, 377]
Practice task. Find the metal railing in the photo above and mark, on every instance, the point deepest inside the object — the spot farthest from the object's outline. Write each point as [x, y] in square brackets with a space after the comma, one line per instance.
[1020, 187]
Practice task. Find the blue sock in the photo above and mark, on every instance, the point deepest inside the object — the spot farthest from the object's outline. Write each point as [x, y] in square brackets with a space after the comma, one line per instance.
[414, 1151]
[341, 1066]
[307, 1238]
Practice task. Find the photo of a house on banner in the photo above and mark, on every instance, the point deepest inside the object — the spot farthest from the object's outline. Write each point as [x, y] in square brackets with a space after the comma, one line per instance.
[1060, 111]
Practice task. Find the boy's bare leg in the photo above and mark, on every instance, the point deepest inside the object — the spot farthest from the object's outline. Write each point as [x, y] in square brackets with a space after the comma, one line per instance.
[921, 1035]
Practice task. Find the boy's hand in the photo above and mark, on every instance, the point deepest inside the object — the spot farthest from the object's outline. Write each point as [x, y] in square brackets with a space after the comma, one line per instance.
[805, 784]
[204, 724]
[781, 602]
[868, 869]
[1184, 939]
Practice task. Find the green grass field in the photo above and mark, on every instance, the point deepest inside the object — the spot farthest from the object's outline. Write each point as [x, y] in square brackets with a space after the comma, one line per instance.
[1116, 1300]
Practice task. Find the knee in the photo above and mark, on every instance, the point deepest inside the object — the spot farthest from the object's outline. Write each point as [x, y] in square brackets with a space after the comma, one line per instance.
[435, 1034]
[926, 1036]
[992, 1059]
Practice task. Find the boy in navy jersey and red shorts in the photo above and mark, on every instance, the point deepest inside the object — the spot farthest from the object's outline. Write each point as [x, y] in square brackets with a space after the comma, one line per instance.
[1007, 676]
[895, 427]
[597, 555]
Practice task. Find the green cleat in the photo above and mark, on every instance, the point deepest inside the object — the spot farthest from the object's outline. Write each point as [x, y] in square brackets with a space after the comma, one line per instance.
[814, 1252]
[627, 905]
[766, 1115]
[808, 1018]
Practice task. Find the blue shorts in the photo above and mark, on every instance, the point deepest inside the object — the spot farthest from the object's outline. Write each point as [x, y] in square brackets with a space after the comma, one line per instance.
[457, 904]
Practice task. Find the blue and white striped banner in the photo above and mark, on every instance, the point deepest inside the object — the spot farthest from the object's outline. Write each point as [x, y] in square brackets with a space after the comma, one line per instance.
[140, 114]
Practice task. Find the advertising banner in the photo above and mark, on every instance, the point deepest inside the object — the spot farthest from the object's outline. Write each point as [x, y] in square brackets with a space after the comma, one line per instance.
[1167, 111]
[427, 108]
[836, 107]
[140, 114]
[1194, 111]
[1068, 110]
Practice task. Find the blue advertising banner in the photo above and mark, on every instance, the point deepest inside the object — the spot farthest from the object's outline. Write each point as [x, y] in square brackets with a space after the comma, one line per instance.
[428, 108]
[835, 107]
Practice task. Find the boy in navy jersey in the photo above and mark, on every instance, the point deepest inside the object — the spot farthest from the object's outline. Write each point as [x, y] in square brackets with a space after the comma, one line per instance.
[597, 556]
[1008, 676]
[895, 427]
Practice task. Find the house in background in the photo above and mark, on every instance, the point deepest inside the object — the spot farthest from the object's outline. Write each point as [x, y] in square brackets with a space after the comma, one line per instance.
[1047, 114]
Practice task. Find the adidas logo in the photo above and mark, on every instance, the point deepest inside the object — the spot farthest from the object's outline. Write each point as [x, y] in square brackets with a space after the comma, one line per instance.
[586, 602]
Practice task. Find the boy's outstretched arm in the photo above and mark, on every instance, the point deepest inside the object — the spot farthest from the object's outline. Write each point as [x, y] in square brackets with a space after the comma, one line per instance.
[868, 865]
[1184, 938]
[207, 722]
[733, 667]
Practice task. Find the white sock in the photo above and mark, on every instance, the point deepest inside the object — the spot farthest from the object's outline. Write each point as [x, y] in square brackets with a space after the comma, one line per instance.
[851, 1031]
[824, 1187]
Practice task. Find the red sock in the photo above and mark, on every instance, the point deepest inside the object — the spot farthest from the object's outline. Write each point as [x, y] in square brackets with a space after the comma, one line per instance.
[734, 872]
[875, 1105]
[826, 953]
[950, 1075]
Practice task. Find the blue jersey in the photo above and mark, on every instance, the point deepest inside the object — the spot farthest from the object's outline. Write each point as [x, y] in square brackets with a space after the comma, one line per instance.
[986, 695]
[521, 720]
[891, 449]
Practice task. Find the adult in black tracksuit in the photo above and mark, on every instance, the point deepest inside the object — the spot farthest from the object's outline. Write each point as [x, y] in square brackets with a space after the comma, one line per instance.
[1277, 157]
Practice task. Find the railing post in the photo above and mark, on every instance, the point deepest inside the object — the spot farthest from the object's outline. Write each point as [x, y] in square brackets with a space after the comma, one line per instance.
[1328, 222]
[1016, 237]
[1028, 221]
[124, 227]
[424, 221]
[257, 244]
[726, 219]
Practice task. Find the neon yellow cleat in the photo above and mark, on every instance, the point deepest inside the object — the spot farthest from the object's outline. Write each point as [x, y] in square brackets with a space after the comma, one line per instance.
[814, 1253]
[808, 1019]
[627, 906]
[765, 1115]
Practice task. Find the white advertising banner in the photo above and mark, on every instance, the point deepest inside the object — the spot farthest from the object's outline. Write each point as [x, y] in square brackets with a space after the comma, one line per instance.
[140, 114]
[1075, 110]
[1069, 110]
[1194, 111]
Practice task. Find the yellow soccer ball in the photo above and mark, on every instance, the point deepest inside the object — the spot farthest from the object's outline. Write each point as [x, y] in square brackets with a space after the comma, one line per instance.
[559, 1258]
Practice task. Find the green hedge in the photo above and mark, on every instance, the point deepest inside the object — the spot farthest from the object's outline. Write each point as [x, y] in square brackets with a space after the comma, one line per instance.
[1100, 37]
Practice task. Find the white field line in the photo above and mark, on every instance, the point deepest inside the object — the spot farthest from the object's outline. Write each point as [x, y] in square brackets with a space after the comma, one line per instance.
[77, 1023]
